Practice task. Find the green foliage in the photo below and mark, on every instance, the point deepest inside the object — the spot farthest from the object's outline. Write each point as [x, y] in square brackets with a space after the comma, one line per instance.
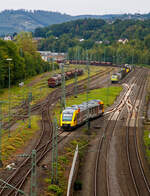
[26, 62]
[86, 34]
[56, 189]
[147, 143]
[18, 138]
[63, 159]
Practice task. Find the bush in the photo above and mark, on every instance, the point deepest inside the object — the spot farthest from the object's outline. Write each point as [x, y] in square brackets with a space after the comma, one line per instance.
[78, 186]
[56, 189]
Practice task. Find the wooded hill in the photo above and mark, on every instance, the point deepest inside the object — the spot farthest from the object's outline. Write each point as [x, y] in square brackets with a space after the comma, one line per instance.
[88, 32]
[100, 39]
[22, 20]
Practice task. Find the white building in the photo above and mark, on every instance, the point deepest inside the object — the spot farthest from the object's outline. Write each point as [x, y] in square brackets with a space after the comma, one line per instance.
[6, 38]
[123, 41]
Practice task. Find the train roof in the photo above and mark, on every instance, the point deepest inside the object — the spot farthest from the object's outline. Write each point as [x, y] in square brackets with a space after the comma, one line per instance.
[83, 106]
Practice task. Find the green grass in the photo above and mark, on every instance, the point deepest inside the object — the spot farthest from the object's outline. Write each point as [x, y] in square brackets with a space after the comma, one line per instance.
[39, 89]
[18, 138]
[107, 95]
[147, 144]
[64, 166]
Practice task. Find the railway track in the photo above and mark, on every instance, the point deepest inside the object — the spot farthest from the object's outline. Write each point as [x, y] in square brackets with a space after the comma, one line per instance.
[141, 184]
[24, 166]
[23, 114]
[104, 152]
[19, 176]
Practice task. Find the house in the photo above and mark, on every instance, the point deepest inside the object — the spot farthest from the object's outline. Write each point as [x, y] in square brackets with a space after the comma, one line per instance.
[81, 40]
[99, 42]
[6, 38]
[123, 41]
[48, 55]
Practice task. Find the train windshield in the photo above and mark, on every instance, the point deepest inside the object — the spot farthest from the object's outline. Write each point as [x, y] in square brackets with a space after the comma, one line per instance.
[67, 116]
[114, 76]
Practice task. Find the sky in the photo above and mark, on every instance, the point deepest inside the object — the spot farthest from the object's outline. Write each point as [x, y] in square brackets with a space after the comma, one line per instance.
[78, 7]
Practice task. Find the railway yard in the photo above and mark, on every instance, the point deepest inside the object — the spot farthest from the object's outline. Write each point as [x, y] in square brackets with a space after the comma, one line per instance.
[113, 159]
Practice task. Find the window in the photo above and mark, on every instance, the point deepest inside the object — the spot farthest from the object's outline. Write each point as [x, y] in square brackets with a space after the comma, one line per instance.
[67, 117]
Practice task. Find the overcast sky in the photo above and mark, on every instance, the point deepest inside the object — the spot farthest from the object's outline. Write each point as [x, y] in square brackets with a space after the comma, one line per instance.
[76, 7]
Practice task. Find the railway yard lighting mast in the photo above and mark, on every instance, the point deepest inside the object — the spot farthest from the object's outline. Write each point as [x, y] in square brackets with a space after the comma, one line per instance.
[1, 164]
[9, 60]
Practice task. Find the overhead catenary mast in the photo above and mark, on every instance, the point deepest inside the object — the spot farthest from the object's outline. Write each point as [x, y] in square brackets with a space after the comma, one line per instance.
[63, 95]
[87, 92]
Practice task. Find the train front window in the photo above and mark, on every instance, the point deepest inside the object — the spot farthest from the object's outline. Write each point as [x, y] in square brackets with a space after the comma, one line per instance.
[67, 116]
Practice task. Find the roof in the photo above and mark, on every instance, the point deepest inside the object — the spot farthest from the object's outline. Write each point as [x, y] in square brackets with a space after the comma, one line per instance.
[83, 106]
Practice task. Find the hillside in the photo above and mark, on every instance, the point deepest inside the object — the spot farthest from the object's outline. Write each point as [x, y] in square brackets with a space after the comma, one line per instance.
[88, 32]
[22, 20]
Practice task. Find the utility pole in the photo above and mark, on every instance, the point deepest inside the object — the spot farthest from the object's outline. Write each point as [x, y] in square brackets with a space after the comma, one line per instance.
[29, 108]
[52, 60]
[54, 179]
[87, 93]
[63, 96]
[75, 84]
[75, 78]
[52, 64]
[9, 59]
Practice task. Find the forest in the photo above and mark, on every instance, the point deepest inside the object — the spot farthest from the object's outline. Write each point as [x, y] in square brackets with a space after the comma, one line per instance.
[22, 58]
[100, 38]
[94, 37]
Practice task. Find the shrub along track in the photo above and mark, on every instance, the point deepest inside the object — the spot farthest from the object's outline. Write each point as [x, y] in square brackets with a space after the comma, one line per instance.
[19, 176]
[116, 179]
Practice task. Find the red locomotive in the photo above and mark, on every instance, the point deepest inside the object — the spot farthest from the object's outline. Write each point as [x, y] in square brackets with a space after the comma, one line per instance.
[56, 79]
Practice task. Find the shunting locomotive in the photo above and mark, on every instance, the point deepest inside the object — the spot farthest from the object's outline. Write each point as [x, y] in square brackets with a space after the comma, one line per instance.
[121, 74]
[76, 115]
